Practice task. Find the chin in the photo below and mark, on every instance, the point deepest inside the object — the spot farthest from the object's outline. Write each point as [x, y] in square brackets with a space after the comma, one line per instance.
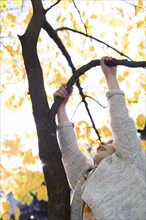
[99, 157]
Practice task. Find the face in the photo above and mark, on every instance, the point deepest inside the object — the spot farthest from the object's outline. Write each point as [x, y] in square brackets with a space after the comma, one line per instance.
[104, 150]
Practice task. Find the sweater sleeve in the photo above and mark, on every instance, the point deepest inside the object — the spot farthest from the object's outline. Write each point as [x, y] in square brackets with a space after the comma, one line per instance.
[125, 137]
[75, 163]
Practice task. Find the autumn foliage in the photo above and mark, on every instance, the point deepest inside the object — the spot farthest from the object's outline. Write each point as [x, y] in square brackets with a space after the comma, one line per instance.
[114, 27]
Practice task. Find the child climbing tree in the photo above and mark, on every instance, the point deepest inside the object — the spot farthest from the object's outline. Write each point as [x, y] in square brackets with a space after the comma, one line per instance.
[55, 178]
[57, 186]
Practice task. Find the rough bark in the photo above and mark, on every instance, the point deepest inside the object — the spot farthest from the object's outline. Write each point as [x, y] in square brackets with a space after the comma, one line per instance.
[49, 152]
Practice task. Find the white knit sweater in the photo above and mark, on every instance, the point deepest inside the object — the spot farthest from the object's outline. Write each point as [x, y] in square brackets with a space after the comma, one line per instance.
[115, 189]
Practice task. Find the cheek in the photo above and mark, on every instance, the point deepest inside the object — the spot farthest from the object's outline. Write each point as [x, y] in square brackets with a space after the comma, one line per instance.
[112, 149]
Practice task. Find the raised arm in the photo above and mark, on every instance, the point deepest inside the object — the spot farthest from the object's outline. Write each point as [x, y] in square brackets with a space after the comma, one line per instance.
[124, 131]
[74, 161]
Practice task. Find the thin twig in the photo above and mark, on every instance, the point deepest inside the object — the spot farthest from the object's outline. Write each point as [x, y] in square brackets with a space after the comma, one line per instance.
[100, 41]
[90, 97]
[135, 6]
[76, 110]
[80, 16]
[52, 6]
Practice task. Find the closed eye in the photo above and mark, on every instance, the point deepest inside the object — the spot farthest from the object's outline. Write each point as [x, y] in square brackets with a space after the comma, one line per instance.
[110, 142]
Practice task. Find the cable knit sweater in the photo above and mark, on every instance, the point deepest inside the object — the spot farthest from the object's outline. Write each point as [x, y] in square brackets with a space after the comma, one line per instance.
[115, 189]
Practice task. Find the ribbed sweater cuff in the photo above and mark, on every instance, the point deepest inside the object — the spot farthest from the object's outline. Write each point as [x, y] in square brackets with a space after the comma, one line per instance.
[65, 124]
[111, 93]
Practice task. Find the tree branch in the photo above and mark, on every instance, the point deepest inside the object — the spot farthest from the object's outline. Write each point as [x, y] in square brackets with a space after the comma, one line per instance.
[52, 6]
[90, 97]
[76, 110]
[88, 66]
[89, 36]
[135, 6]
[32, 64]
[51, 32]
[80, 16]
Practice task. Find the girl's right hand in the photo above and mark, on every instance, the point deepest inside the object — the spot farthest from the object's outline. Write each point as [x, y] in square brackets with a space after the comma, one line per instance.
[109, 71]
[62, 92]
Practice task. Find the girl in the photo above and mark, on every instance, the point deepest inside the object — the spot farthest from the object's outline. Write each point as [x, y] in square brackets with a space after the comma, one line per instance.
[114, 187]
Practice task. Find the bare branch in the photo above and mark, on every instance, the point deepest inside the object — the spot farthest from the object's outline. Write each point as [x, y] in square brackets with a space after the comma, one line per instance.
[52, 6]
[89, 36]
[90, 97]
[80, 16]
[135, 6]
[51, 32]
[76, 110]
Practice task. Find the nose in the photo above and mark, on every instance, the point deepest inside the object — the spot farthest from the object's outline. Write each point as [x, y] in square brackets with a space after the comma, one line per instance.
[102, 143]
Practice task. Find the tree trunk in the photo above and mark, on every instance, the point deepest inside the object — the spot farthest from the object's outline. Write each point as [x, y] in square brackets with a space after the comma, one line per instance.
[49, 152]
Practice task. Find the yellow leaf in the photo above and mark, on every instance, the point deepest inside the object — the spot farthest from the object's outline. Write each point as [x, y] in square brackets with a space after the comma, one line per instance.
[91, 48]
[126, 73]
[140, 121]
[6, 216]
[3, 5]
[28, 199]
[143, 85]
[136, 95]
[125, 43]
[83, 13]
[6, 207]
[139, 6]
[70, 43]
[121, 78]
[141, 24]
[107, 131]
[82, 78]
[58, 18]
[11, 17]
[93, 16]
[141, 47]
[129, 28]
[29, 158]
[116, 22]
[13, 145]
[17, 212]
[10, 49]
[42, 193]
[18, 3]
[28, 17]
[63, 20]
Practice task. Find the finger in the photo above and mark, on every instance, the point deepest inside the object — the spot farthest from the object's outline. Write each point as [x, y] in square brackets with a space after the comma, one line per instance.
[102, 60]
[107, 58]
[62, 93]
[63, 89]
[63, 85]
[104, 57]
